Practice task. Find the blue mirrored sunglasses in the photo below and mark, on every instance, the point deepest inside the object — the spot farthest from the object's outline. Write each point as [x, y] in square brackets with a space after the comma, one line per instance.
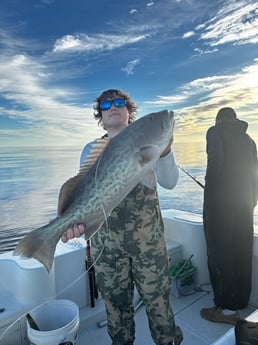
[118, 103]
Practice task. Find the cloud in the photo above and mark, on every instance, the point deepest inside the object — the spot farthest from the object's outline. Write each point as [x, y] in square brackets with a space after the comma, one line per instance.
[188, 34]
[236, 23]
[196, 103]
[98, 42]
[130, 66]
[133, 11]
[45, 111]
[200, 51]
[168, 100]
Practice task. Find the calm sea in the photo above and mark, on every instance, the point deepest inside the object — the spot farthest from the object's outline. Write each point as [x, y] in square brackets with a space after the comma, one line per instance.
[30, 180]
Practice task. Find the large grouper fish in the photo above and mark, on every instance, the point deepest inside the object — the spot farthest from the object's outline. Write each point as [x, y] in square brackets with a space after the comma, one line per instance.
[113, 168]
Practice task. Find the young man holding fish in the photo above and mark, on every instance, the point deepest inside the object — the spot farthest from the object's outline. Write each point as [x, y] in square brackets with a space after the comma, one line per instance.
[129, 249]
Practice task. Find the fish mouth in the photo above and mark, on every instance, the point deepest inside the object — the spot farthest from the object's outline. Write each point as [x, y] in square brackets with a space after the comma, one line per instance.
[167, 121]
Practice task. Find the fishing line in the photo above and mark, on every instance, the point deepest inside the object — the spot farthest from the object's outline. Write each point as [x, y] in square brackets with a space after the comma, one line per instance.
[104, 212]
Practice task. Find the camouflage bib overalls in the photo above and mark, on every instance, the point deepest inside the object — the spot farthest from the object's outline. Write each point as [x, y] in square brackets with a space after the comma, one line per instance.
[129, 250]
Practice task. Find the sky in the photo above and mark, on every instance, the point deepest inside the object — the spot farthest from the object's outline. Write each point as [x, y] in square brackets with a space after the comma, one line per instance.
[189, 56]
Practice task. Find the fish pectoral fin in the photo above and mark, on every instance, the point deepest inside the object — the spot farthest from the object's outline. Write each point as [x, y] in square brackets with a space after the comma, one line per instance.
[147, 153]
[149, 180]
[66, 192]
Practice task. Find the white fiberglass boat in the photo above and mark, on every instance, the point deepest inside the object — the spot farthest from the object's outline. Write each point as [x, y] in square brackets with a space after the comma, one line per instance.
[25, 284]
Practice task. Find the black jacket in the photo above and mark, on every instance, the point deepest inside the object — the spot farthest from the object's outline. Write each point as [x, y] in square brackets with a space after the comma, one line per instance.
[231, 172]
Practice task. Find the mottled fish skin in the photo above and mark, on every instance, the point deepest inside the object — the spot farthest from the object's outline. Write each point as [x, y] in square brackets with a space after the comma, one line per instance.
[126, 160]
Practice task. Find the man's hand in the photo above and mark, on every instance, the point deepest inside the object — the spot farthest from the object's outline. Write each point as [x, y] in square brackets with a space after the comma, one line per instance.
[168, 148]
[75, 231]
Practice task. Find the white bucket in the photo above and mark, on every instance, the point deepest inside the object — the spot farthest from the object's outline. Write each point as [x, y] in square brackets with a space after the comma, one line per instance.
[58, 323]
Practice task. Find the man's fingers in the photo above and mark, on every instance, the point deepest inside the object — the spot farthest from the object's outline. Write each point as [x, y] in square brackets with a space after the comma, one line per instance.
[70, 233]
[78, 230]
[75, 231]
[64, 237]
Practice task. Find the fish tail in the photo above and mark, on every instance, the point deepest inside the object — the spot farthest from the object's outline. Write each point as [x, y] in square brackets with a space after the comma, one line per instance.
[39, 245]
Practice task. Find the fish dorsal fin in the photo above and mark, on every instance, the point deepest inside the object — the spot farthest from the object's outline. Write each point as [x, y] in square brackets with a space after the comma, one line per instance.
[70, 185]
[97, 148]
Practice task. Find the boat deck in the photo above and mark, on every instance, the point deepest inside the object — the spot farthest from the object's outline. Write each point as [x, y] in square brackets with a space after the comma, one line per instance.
[197, 331]
[21, 279]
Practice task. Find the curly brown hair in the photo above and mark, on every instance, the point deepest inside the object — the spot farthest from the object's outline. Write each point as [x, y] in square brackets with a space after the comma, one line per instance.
[111, 93]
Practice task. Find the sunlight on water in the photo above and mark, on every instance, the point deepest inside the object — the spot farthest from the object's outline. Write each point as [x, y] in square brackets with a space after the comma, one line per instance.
[30, 180]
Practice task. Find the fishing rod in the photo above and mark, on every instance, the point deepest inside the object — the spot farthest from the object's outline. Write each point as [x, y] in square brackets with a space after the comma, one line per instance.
[192, 177]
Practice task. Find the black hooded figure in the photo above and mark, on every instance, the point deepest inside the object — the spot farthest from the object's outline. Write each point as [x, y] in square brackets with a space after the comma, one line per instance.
[230, 195]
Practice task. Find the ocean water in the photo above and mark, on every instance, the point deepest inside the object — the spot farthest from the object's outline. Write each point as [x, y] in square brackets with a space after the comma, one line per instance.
[31, 177]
